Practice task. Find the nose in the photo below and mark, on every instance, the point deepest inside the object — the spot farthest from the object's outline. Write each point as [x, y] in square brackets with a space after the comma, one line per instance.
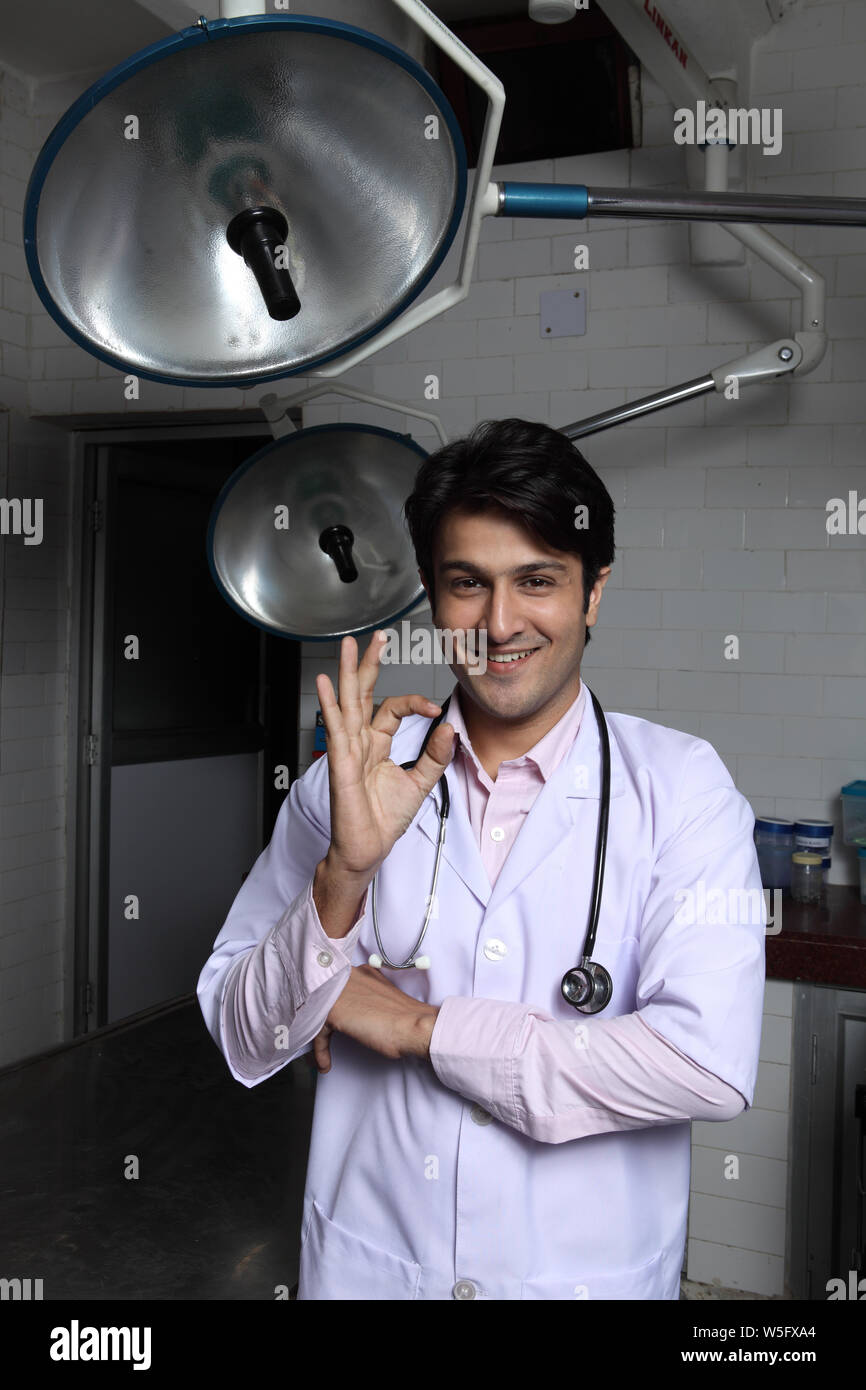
[502, 612]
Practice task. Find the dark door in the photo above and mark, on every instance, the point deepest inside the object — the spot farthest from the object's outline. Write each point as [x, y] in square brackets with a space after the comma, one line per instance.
[196, 723]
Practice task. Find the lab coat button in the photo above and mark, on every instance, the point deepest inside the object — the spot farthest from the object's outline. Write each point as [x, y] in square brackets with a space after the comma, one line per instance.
[464, 1288]
[497, 833]
[324, 957]
[480, 1115]
[494, 949]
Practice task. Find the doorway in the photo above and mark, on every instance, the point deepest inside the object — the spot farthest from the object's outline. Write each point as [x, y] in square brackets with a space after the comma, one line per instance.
[188, 718]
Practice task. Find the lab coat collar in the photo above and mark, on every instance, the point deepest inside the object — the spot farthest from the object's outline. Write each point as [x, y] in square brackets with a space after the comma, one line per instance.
[562, 802]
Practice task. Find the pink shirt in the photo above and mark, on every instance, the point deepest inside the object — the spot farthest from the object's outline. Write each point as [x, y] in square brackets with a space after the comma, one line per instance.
[631, 1077]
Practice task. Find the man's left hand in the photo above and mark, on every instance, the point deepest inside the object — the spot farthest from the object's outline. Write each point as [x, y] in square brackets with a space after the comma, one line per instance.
[376, 1013]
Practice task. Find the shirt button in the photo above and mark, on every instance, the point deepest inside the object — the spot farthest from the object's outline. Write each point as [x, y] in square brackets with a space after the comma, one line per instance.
[480, 1115]
[324, 957]
[494, 949]
[497, 833]
[464, 1288]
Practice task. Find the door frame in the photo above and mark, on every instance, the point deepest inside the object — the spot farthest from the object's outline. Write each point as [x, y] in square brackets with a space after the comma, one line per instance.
[89, 782]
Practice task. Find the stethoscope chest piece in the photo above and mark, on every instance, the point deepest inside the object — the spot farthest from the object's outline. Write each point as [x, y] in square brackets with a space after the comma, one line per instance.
[588, 987]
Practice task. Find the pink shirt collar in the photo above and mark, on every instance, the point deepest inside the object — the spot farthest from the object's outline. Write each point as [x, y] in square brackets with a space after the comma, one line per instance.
[546, 754]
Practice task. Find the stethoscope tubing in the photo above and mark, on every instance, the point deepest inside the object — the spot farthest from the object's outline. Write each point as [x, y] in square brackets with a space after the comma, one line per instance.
[444, 809]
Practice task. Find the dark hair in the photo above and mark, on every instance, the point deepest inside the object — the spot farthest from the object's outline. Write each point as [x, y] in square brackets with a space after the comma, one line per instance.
[527, 469]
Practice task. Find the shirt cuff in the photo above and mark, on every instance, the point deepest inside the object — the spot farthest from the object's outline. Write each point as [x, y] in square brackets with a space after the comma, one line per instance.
[309, 956]
[472, 1050]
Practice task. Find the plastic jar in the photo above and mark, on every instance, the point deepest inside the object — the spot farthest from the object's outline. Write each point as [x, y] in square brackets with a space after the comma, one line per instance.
[853, 811]
[861, 859]
[807, 877]
[774, 841]
[813, 837]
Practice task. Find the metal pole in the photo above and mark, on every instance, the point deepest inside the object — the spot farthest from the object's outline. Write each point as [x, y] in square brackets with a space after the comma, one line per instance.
[621, 413]
[576, 201]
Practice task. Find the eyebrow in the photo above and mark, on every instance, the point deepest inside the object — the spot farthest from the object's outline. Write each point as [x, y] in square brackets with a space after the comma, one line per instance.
[517, 570]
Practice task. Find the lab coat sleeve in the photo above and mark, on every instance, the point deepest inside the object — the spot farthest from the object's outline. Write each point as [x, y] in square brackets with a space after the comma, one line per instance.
[703, 931]
[276, 993]
[274, 974]
[699, 990]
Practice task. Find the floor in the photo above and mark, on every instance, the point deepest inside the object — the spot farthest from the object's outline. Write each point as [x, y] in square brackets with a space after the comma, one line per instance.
[215, 1211]
[701, 1293]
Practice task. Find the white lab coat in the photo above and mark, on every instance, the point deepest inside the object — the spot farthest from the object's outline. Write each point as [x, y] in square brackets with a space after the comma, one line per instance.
[412, 1191]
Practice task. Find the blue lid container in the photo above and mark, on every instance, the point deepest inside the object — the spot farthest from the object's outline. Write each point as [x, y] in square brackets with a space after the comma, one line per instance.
[818, 828]
[853, 811]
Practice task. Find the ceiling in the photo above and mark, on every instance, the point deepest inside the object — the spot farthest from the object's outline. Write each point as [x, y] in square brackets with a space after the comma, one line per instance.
[57, 38]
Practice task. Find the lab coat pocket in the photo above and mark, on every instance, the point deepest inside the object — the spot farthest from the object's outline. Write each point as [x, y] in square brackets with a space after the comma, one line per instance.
[335, 1264]
[644, 1282]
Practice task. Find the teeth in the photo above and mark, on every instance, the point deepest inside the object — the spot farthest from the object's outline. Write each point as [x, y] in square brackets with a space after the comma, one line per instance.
[512, 656]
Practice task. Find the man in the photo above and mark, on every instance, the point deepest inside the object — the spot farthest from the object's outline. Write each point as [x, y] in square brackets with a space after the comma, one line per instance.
[473, 1135]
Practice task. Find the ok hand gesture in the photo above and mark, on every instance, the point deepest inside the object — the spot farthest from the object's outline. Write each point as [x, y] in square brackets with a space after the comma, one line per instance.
[373, 800]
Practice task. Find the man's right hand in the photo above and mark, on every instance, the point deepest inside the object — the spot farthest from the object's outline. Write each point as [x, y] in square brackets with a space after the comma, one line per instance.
[373, 800]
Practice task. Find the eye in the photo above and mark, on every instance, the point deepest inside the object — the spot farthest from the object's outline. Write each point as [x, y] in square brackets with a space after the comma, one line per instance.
[531, 579]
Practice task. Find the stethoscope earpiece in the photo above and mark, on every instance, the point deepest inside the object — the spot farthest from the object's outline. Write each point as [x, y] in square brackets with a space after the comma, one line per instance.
[422, 963]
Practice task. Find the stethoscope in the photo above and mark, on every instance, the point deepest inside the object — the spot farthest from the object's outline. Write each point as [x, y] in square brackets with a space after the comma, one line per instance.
[588, 987]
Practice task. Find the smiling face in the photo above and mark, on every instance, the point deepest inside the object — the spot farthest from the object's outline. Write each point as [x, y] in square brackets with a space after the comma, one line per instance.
[492, 573]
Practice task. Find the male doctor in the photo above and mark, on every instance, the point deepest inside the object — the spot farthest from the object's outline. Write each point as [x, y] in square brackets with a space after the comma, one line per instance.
[474, 1137]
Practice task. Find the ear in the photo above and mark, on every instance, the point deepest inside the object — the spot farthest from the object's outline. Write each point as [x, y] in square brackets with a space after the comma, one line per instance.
[426, 589]
[595, 596]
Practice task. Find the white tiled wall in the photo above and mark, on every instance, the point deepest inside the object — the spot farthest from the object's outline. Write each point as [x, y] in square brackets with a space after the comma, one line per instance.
[720, 517]
[738, 1211]
[34, 665]
[34, 655]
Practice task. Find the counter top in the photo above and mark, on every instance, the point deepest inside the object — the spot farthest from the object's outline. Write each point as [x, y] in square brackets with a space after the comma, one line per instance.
[825, 945]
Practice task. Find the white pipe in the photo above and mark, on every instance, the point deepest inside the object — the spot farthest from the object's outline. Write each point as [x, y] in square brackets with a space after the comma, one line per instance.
[813, 290]
[716, 167]
[276, 408]
[655, 50]
[661, 50]
[810, 284]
